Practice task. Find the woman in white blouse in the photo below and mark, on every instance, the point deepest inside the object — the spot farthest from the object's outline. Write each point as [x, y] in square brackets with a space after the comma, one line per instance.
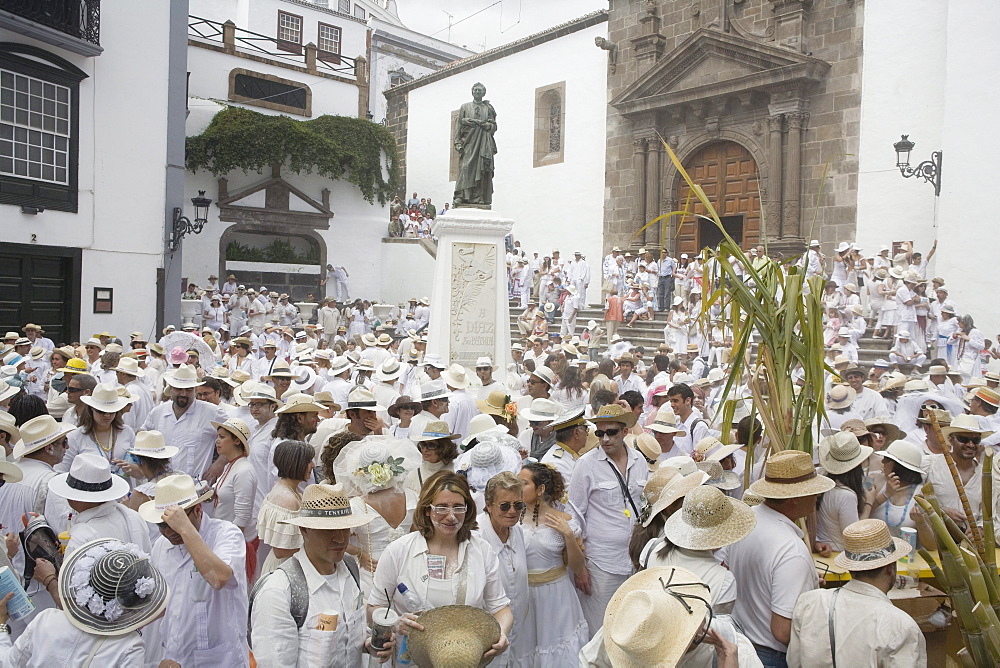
[442, 562]
[237, 485]
[102, 430]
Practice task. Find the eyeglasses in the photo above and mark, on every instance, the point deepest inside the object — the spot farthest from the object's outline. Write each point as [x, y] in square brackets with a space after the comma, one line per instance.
[74, 390]
[258, 404]
[681, 596]
[968, 439]
[532, 381]
[601, 433]
[507, 505]
[443, 511]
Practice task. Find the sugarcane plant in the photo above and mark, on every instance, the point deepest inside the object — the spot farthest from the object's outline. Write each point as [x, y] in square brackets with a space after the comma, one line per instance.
[776, 306]
[968, 569]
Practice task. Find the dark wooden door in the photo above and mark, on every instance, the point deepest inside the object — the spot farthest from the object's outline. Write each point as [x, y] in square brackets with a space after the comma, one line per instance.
[40, 284]
[728, 174]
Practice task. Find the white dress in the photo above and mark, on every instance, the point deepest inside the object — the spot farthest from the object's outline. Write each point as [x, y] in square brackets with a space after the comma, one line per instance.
[380, 533]
[555, 628]
[272, 532]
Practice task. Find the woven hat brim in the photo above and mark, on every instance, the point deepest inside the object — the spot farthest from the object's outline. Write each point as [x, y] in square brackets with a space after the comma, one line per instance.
[348, 522]
[430, 647]
[675, 489]
[308, 407]
[729, 480]
[11, 472]
[138, 373]
[836, 467]
[118, 405]
[902, 549]
[627, 419]
[663, 429]
[421, 438]
[119, 488]
[20, 450]
[772, 490]
[948, 431]
[723, 452]
[130, 620]
[485, 407]
[389, 376]
[235, 432]
[911, 467]
[148, 511]
[736, 527]
[182, 384]
[536, 417]
[169, 451]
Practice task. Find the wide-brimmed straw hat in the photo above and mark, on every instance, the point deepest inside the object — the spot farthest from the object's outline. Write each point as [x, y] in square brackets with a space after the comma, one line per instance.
[434, 389]
[790, 474]
[644, 606]
[542, 410]
[130, 366]
[454, 376]
[709, 520]
[7, 390]
[453, 635]
[9, 471]
[484, 362]
[237, 428]
[614, 413]
[840, 396]
[482, 424]
[434, 430]
[546, 374]
[89, 479]
[327, 507]
[868, 545]
[110, 588]
[174, 490]
[712, 449]
[281, 369]
[402, 402]
[300, 403]
[892, 432]
[362, 399]
[495, 403]
[38, 432]
[962, 424]
[151, 444]
[664, 486]
[905, 454]
[183, 377]
[718, 476]
[648, 446]
[9, 425]
[391, 369]
[106, 399]
[666, 422]
[841, 452]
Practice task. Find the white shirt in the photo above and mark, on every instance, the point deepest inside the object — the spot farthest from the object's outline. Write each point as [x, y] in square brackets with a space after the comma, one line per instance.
[405, 561]
[80, 442]
[339, 388]
[600, 506]
[142, 406]
[192, 432]
[563, 460]
[772, 567]
[513, 559]
[838, 509]
[235, 492]
[693, 433]
[869, 404]
[633, 382]
[55, 508]
[204, 626]
[461, 409]
[277, 641]
[870, 631]
[938, 473]
[51, 640]
[108, 520]
[260, 451]
[720, 581]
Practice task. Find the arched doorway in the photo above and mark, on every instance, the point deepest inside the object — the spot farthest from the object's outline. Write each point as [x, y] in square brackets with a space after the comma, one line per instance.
[728, 174]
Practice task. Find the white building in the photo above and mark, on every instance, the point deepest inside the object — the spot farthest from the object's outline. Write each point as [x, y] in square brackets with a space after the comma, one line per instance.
[549, 91]
[84, 139]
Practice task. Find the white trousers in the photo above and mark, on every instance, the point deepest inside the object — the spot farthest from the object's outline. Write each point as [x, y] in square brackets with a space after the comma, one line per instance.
[603, 586]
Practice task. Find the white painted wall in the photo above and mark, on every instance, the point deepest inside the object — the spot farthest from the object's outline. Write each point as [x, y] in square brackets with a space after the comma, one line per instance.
[554, 207]
[407, 271]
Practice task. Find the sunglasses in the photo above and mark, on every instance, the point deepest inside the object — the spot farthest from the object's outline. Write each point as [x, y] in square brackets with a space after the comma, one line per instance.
[74, 390]
[601, 433]
[507, 505]
[968, 439]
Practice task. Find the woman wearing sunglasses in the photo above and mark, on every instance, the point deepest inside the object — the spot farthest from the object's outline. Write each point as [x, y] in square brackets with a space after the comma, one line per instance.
[443, 562]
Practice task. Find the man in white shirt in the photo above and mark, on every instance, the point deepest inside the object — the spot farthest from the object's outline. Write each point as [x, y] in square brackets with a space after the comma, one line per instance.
[772, 565]
[203, 561]
[434, 400]
[461, 405]
[964, 436]
[626, 379]
[695, 427]
[239, 308]
[339, 374]
[263, 366]
[484, 370]
[664, 429]
[866, 629]
[329, 577]
[906, 351]
[867, 402]
[257, 313]
[570, 308]
[578, 274]
[813, 260]
[129, 376]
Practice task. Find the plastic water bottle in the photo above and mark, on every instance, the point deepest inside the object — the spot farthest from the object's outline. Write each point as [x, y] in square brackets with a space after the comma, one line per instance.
[416, 605]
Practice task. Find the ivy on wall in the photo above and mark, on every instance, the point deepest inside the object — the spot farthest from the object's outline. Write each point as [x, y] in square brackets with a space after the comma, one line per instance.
[337, 147]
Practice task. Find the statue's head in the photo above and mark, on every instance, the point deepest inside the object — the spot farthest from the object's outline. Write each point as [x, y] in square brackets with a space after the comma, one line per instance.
[478, 88]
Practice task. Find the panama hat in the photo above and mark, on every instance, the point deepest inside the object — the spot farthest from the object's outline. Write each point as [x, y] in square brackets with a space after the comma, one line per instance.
[434, 389]
[896, 272]
[434, 430]
[709, 520]
[369, 340]
[183, 377]
[93, 341]
[892, 432]
[326, 399]
[666, 422]
[281, 369]
[482, 424]
[962, 424]
[453, 635]
[90, 480]
[9, 471]
[841, 452]
[110, 588]
[339, 365]
[327, 507]
[174, 490]
[905, 454]
[664, 486]
[130, 366]
[300, 403]
[454, 377]
[988, 396]
[391, 369]
[258, 391]
[434, 361]
[614, 413]
[237, 428]
[38, 432]
[37, 353]
[362, 399]
[268, 343]
[546, 374]
[106, 399]
[644, 606]
[710, 444]
[542, 410]
[7, 390]
[790, 474]
[647, 445]
[840, 396]
[484, 362]
[9, 425]
[868, 545]
[151, 444]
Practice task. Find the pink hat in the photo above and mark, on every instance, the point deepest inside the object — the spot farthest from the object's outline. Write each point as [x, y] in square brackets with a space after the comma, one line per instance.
[178, 355]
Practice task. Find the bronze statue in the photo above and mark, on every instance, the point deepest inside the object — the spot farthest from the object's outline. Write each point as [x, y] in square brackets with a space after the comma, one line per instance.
[477, 121]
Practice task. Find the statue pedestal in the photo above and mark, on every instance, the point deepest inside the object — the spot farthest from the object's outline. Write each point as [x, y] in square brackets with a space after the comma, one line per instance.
[470, 314]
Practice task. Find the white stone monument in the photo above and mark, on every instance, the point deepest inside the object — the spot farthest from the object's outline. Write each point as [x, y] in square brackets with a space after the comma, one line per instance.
[470, 314]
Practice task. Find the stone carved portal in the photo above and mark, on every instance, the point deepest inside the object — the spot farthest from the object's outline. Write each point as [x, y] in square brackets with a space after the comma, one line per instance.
[473, 301]
[728, 174]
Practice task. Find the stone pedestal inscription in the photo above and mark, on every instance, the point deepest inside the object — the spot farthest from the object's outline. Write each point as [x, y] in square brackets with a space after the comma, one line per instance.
[473, 301]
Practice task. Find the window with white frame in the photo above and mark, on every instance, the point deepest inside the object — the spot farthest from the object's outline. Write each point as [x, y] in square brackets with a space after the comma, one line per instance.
[289, 32]
[344, 6]
[34, 128]
[359, 12]
[329, 41]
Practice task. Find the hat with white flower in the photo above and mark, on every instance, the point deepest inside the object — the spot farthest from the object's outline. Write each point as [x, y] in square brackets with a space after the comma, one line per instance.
[375, 462]
[110, 588]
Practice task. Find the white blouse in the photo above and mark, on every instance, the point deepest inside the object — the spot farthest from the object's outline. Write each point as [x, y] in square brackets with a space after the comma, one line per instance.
[234, 496]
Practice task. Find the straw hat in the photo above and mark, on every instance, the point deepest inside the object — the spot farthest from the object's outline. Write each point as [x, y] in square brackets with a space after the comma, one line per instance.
[453, 635]
[339, 365]
[664, 486]
[89, 479]
[434, 430]
[647, 604]
[495, 403]
[259, 391]
[237, 428]
[454, 377]
[892, 432]
[614, 413]
[9, 471]
[110, 588]
[369, 340]
[719, 477]
[391, 369]
[905, 454]
[482, 424]
[434, 389]
[106, 399]
[840, 396]
[7, 390]
[300, 403]
[486, 362]
[434, 361]
[546, 374]
[542, 410]
[712, 449]
[174, 490]
[841, 452]
[38, 432]
[402, 402]
[9, 425]
[709, 520]
[362, 399]
[183, 377]
[327, 507]
[647, 445]
[281, 369]
[790, 474]
[666, 422]
[151, 444]
[868, 545]
[130, 366]
[856, 427]
[965, 424]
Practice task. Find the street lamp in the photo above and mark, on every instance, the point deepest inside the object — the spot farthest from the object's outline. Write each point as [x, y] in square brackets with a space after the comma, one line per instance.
[183, 225]
[929, 170]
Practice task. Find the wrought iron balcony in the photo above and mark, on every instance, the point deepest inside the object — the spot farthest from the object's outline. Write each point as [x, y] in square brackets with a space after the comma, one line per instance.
[77, 18]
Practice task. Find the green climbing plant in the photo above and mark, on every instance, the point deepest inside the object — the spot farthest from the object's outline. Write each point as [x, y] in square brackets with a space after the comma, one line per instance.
[337, 147]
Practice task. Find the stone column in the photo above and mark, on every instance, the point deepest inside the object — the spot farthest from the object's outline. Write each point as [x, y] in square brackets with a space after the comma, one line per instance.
[639, 169]
[470, 315]
[654, 153]
[775, 125]
[791, 225]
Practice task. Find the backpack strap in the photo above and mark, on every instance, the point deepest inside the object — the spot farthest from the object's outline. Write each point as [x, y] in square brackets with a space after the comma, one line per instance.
[297, 589]
[352, 568]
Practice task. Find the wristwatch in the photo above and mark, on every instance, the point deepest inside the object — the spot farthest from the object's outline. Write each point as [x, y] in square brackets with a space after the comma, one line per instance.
[5, 628]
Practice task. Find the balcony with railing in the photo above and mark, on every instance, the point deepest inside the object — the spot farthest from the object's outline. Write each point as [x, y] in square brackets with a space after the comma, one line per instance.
[74, 25]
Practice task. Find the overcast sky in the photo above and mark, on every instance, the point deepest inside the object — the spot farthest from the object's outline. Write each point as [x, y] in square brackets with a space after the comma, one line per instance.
[497, 21]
